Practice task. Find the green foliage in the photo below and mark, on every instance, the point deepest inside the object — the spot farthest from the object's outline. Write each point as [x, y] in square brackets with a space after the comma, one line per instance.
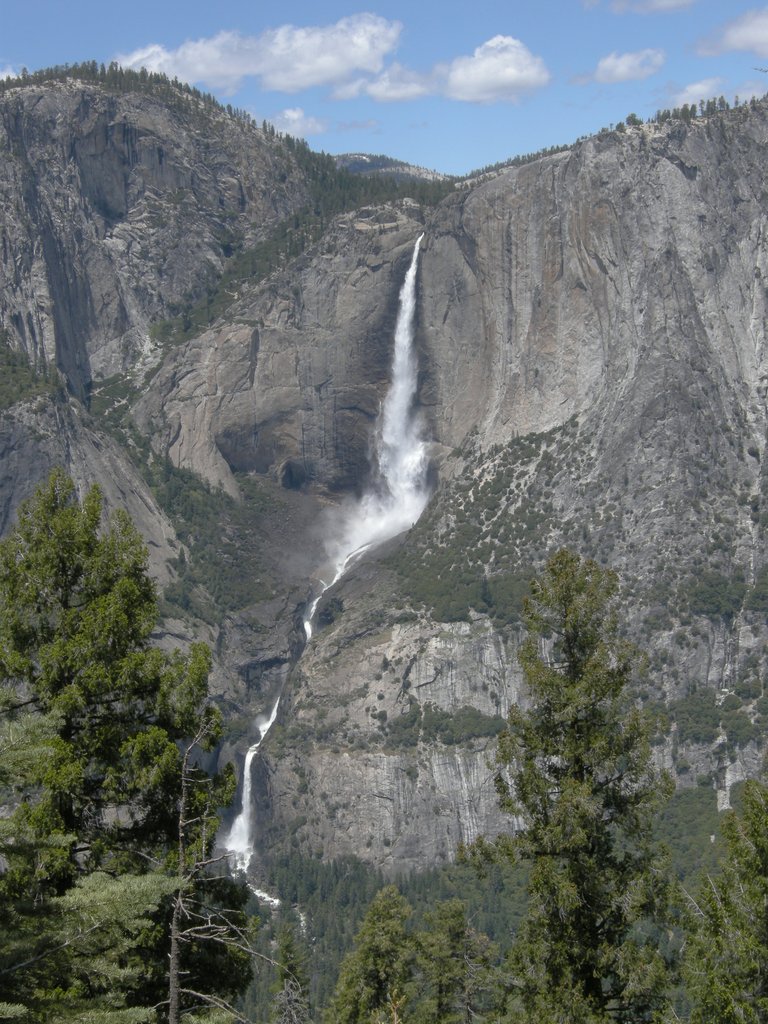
[576, 769]
[112, 819]
[454, 969]
[748, 686]
[429, 724]
[440, 973]
[697, 717]
[405, 730]
[757, 597]
[76, 613]
[99, 924]
[291, 1002]
[726, 962]
[334, 898]
[715, 595]
[730, 702]
[375, 974]
[739, 728]
[20, 380]
[686, 827]
[690, 111]
[223, 538]
[495, 898]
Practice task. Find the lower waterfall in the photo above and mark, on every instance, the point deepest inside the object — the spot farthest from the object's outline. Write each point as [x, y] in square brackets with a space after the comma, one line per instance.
[239, 841]
[395, 500]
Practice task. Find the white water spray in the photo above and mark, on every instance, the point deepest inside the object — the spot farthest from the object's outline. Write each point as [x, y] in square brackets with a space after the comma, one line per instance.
[239, 842]
[399, 494]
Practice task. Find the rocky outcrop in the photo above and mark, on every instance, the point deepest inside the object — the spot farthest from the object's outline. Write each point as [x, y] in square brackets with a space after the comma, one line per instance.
[37, 435]
[610, 273]
[379, 754]
[118, 210]
[292, 383]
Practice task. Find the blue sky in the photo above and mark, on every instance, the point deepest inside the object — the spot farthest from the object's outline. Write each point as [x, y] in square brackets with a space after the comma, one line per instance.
[448, 85]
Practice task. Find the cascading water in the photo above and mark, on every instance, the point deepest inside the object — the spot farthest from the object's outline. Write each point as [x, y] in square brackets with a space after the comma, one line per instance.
[239, 841]
[393, 504]
[399, 494]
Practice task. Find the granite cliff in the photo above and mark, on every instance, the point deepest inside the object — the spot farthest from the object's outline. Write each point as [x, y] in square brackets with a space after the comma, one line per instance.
[590, 330]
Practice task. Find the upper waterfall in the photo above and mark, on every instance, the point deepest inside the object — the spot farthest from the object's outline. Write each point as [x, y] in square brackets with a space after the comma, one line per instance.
[398, 493]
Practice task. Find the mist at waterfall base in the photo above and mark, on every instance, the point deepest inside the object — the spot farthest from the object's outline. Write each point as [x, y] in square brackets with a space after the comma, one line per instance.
[395, 500]
[398, 493]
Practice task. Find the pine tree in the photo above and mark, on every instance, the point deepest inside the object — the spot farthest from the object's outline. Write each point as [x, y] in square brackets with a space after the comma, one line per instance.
[726, 961]
[575, 770]
[455, 968]
[374, 977]
[106, 851]
[291, 1002]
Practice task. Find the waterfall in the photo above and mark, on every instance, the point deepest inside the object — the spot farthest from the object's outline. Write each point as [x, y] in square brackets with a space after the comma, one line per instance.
[399, 492]
[239, 841]
[393, 503]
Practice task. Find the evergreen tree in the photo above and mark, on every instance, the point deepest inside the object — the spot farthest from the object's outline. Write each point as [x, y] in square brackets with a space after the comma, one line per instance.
[375, 976]
[455, 982]
[726, 961]
[291, 1002]
[106, 852]
[77, 608]
[575, 770]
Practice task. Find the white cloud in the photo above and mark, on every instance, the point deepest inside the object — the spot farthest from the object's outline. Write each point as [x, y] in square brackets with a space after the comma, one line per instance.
[294, 121]
[501, 69]
[748, 32]
[628, 67]
[285, 59]
[8, 72]
[703, 90]
[349, 57]
[398, 83]
[651, 6]
[350, 90]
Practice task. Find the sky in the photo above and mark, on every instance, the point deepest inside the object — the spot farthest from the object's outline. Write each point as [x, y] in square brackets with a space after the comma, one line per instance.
[448, 85]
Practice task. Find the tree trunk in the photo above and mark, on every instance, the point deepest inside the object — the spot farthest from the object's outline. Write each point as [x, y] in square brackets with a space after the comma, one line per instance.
[174, 965]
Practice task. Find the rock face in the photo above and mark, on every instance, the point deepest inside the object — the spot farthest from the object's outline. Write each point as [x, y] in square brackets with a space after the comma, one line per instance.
[592, 371]
[379, 754]
[117, 210]
[586, 279]
[292, 383]
[35, 437]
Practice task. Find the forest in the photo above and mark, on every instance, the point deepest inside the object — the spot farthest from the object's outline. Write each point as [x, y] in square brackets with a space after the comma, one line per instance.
[117, 905]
